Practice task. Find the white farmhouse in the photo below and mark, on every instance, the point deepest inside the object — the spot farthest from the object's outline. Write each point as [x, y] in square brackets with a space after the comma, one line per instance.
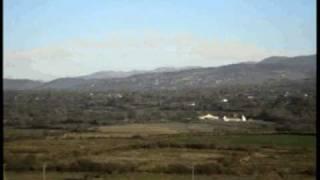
[226, 119]
[209, 116]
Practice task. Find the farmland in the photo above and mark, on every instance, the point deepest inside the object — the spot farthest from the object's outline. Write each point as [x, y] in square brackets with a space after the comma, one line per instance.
[159, 151]
[158, 134]
[163, 90]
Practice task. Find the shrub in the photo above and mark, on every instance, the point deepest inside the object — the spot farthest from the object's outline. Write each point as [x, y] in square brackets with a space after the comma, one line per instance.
[109, 167]
[173, 169]
[25, 162]
[209, 168]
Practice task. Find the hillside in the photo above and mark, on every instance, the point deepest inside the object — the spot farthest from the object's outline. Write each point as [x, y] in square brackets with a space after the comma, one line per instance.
[20, 84]
[269, 69]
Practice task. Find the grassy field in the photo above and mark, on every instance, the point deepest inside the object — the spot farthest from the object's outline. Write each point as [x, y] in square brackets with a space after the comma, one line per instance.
[144, 176]
[158, 151]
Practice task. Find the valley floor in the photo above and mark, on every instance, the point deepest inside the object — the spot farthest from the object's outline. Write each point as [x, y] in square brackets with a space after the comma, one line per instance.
[159, 151]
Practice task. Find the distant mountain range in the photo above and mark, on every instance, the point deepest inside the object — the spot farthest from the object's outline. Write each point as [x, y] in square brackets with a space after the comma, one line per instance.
[124, 74]
[269, 69]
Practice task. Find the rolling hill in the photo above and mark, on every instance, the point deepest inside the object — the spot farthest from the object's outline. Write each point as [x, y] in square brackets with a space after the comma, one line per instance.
[269, 69]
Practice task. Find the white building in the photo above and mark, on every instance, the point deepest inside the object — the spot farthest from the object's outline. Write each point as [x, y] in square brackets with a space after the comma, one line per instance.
[286, 94]
[224, 100]
[118, 95]
[242, 119]
[209, 116]
[250, 97]
[225, 119]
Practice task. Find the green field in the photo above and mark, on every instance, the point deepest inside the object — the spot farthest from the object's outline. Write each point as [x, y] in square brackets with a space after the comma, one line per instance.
[157, 151]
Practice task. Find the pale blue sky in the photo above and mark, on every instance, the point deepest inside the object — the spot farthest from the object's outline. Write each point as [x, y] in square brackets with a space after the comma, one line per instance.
[44, 39]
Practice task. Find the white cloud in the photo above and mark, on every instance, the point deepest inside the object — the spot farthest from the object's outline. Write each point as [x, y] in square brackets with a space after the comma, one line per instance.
[24, 64]
[43, 53]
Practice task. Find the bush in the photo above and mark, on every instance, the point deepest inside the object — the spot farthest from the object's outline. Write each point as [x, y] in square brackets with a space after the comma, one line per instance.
[25, 162]
[88, 165]
[172, 169]
[209, 168]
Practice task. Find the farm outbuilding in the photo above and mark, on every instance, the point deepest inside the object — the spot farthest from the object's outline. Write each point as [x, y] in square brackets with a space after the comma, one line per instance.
[233, 119]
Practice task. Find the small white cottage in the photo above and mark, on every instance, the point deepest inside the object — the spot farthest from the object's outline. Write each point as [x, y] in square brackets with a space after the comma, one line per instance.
[226, 119]
[209, 117]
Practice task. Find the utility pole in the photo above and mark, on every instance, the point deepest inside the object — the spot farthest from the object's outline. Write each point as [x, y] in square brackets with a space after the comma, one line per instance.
[44, 171]
[4, 172]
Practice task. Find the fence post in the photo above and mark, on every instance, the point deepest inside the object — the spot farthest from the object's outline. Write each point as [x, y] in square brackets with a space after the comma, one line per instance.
[44, 171]
[4, 172]
[192, 172]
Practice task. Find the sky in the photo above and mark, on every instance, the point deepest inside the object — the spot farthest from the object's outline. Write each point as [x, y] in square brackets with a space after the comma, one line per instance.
[48, 39]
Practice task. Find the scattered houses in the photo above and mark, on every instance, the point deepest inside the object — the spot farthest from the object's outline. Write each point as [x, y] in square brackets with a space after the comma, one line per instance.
[115, 95]
[118, 95]
[225, 118]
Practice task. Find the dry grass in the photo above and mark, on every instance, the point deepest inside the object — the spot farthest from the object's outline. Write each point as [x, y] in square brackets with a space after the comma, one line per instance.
[163, 149]
[143, 129]
[148, 176]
